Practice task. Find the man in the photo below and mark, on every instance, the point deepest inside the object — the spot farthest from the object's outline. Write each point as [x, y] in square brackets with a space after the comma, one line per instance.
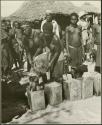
[32, 45]
[74, 41]
[6, 58]
[97, 42]
[19, 44]
[50, 40]
[54, 23]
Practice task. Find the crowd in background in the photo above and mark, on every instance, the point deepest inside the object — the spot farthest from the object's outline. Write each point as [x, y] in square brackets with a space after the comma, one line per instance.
[22, 41]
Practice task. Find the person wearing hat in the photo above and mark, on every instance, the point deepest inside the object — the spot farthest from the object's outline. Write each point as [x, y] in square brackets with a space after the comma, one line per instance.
[48, 18]
[84, 24]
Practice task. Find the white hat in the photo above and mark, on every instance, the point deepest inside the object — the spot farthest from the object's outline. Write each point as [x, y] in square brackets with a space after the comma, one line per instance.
[82, 13]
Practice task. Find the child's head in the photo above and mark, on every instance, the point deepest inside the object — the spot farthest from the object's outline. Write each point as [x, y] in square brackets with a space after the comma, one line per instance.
[74, 18]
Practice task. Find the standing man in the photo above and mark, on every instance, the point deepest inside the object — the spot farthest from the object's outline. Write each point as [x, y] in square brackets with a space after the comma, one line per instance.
[74, 41]
[48, 18]
[50, 38]
[18, 38]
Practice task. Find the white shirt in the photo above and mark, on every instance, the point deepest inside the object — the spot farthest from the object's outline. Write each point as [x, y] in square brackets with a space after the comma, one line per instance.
[83, 24]
[55, 27]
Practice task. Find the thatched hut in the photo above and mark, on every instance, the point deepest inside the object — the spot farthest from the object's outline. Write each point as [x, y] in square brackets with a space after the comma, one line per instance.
[90, 8]
[31, 10]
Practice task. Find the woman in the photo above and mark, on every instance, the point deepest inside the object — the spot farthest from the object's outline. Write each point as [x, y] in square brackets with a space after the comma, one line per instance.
[74, 41]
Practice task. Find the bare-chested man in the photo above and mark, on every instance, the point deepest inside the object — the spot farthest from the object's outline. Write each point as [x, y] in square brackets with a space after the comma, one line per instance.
[51, 41]
[16, 36]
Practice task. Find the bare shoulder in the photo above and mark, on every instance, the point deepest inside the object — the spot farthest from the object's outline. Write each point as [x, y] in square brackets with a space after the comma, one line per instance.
[67, 28]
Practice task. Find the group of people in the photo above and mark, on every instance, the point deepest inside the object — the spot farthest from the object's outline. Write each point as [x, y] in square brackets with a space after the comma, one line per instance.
[80, 37]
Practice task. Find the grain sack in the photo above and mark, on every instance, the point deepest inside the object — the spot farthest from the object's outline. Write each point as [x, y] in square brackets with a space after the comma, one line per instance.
[87, 85]
[96, 81]
[75, 89]
[36, 100]
[67, 78]
[66, 89]
[41, 63]
[53, 93]
[97, 84]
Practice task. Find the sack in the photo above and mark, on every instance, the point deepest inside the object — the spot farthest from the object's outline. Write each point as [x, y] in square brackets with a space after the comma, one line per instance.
[41, 63]
[71, 88]
[36, 100]
[87, 85]
[75, 89]
[53, 93]
[66, 90]
[96, 77]
[97, 84]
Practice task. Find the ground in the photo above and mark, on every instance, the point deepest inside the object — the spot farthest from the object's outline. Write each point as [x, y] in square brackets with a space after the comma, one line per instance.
[87, 111]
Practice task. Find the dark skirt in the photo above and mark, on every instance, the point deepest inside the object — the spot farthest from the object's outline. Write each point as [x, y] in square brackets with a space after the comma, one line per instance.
[76, 56]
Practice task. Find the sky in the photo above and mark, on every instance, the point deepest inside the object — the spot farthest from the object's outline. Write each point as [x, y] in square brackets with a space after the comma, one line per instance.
[8, 7]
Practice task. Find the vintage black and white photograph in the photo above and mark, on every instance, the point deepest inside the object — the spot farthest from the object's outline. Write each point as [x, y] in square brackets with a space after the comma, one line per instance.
[50, 62]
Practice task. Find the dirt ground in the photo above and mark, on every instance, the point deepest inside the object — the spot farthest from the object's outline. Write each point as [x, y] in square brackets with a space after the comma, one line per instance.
[86, 111]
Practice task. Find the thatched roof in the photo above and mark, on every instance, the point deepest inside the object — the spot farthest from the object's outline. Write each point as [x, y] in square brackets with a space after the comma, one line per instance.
[31, 10]
[89, 8]
[64, 7]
